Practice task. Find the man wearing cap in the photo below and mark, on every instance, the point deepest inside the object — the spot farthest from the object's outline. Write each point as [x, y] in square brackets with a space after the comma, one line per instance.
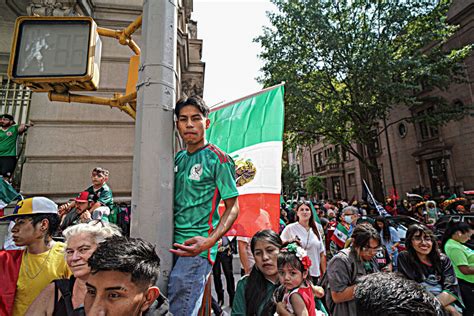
[81, 212]
[9, 133]
[25, 273]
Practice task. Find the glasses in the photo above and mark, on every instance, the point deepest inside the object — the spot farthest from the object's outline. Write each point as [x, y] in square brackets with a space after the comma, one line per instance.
[376, 249]
[420, 239]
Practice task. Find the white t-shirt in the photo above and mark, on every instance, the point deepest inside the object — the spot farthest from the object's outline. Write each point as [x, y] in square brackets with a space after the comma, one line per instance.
[309, 241]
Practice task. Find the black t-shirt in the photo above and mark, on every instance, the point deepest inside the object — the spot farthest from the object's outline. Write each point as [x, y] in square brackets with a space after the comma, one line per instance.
[434, 281]
[382, 258]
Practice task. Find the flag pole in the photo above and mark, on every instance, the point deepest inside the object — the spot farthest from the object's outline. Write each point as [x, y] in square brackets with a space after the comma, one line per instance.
[246, 97]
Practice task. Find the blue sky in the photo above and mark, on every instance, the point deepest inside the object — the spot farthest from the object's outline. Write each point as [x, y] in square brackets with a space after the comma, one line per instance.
[227, 28]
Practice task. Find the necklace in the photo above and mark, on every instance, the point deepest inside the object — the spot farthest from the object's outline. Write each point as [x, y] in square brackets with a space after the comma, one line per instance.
[41, 266]
[307, 236]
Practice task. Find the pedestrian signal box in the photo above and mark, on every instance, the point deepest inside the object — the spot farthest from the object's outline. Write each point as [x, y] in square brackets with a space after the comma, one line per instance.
[55, 54]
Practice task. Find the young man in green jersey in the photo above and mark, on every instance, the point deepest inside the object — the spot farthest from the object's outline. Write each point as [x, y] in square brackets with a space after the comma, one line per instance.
[204, 175]
[9, 133]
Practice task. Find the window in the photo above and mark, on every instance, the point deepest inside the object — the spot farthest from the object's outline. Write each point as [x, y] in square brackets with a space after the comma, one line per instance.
[402, 130]
[427, 130]
[315, 161]
[14, 99]
[351, 179]
[345, 155]
[374, 147]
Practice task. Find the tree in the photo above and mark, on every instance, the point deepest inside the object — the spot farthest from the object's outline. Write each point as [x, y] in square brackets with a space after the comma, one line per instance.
[347, 63]
[290, 178]
[314, 185]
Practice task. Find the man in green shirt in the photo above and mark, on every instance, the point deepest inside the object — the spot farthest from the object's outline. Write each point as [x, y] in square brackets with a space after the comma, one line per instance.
[9, 133]
[203, 176]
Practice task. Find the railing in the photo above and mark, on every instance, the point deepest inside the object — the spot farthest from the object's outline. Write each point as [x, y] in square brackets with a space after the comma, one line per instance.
[15, 100]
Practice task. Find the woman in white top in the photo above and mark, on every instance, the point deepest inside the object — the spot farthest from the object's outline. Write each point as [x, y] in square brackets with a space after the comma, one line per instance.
[306, 231]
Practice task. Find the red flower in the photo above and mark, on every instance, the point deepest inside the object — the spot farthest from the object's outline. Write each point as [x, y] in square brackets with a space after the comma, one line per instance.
[306, 261]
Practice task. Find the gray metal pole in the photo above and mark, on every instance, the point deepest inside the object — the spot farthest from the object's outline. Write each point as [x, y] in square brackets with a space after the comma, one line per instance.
[153, 176]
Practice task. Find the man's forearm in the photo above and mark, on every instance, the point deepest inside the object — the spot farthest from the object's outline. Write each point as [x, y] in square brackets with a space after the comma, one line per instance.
[227, 219]
[244, 259]
[344, 296]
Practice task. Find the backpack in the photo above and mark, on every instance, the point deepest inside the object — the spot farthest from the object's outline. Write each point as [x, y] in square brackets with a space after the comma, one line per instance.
[324, 283]
[63, 286]
[124, 217]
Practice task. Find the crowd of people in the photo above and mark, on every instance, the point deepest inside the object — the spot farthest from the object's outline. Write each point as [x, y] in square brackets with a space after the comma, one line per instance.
[324, 260]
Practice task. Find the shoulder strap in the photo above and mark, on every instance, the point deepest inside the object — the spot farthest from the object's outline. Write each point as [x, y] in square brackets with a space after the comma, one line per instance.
[63, 286]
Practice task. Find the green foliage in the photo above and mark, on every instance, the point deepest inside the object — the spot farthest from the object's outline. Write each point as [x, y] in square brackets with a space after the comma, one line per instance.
[291, 181]
[314, 185]
[346, 63]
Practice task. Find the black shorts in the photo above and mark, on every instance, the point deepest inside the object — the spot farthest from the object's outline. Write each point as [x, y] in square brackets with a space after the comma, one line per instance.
[7, 165]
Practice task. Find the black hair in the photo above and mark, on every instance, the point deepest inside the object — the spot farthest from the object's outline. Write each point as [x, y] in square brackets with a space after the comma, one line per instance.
[434, 256]
[386, 227]
[53, 222]
[256, 289]
[391, 294]
[312, 222]
[129, 255]
[7, 116]
[195, 101]
[362, 235]
[451, 229]
[290, 258]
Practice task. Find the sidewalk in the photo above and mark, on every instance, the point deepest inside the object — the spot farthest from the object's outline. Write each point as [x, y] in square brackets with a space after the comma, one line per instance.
[236, 268]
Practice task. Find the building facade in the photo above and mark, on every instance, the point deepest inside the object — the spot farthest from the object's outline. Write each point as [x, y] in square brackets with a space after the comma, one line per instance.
[435, 160]
[69, 139]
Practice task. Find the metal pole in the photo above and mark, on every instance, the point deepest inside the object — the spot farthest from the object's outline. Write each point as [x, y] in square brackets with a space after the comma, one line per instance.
[389, 152]
[153, 175]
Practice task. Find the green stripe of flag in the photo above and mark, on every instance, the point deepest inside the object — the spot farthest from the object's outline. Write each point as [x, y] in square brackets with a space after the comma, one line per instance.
[315, 214]
[7, 192]
[342, 229]
[254, 120]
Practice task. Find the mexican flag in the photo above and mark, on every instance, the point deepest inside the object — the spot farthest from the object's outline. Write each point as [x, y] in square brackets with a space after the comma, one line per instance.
[318, 221]
[250, 130]
[340, 235]
[7, 193]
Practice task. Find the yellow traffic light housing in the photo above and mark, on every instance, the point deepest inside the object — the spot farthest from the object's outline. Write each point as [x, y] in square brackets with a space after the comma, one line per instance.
[56, 54]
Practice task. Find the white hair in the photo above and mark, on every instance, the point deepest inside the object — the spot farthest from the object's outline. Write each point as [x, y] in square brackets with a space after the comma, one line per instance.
[98, 230]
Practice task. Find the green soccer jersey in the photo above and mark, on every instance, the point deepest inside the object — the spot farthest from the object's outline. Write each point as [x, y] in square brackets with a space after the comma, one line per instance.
[8, 141]
[202, 179]
[103, 195]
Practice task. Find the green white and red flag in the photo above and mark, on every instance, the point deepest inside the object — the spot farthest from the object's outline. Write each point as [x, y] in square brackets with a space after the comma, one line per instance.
[340, 235]
[317, 220]
[250, 130]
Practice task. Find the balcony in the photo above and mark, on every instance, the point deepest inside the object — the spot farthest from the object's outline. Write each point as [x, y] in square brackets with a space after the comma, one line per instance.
[329, 168]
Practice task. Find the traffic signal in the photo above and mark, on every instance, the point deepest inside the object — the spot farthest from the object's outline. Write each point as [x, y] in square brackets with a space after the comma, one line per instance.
[55, 54]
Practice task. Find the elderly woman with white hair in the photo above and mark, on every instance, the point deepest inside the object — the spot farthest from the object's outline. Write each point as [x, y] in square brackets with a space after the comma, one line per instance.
[66, 297]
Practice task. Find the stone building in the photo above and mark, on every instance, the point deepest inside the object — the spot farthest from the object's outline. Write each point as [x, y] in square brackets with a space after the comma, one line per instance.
[428, 159]
[69, 139]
